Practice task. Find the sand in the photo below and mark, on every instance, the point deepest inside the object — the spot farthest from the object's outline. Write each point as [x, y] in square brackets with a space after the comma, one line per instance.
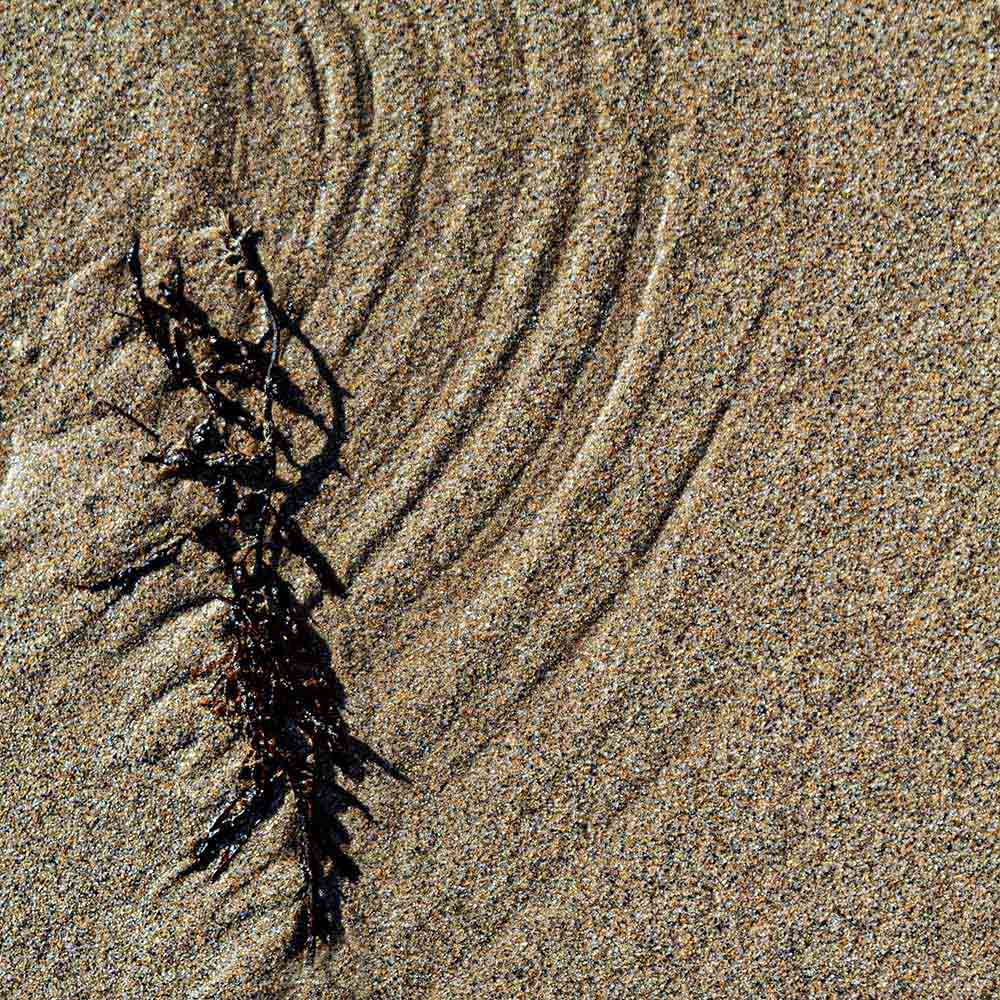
[667, 337]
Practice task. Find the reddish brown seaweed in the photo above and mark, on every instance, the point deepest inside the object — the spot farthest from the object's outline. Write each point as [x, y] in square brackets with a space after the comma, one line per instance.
[272, 682]
[279, 695]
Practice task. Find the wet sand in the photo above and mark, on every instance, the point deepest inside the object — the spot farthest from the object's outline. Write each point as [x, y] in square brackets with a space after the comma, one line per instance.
[667, 514]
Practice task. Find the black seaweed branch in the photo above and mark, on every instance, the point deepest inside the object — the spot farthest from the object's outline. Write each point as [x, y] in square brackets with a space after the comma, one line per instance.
[273, 682]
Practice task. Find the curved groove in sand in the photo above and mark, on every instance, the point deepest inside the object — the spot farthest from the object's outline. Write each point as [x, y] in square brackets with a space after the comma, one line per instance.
[315, 90]
[331, 223]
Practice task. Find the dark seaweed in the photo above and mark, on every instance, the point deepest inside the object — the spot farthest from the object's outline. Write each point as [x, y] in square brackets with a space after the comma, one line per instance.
[273, 682]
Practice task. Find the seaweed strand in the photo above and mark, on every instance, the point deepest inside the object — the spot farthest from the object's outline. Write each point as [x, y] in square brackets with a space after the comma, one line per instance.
[271, 682]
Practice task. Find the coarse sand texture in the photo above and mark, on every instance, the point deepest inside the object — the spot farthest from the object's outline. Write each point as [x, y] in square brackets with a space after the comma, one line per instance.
[635, 449]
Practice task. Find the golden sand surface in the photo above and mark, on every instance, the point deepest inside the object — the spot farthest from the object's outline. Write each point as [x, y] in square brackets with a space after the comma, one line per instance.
[667, 335]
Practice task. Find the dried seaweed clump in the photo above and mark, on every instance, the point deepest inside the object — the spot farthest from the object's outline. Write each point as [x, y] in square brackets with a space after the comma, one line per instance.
[272, 683]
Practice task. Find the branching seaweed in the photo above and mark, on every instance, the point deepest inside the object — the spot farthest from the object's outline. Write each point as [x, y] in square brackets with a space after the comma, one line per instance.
[272, 682]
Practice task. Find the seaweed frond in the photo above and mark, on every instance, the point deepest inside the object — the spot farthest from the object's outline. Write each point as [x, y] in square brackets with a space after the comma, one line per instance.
[272, 682]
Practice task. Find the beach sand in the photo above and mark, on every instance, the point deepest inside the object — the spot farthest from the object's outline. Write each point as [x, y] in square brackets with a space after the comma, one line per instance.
[664, 338]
